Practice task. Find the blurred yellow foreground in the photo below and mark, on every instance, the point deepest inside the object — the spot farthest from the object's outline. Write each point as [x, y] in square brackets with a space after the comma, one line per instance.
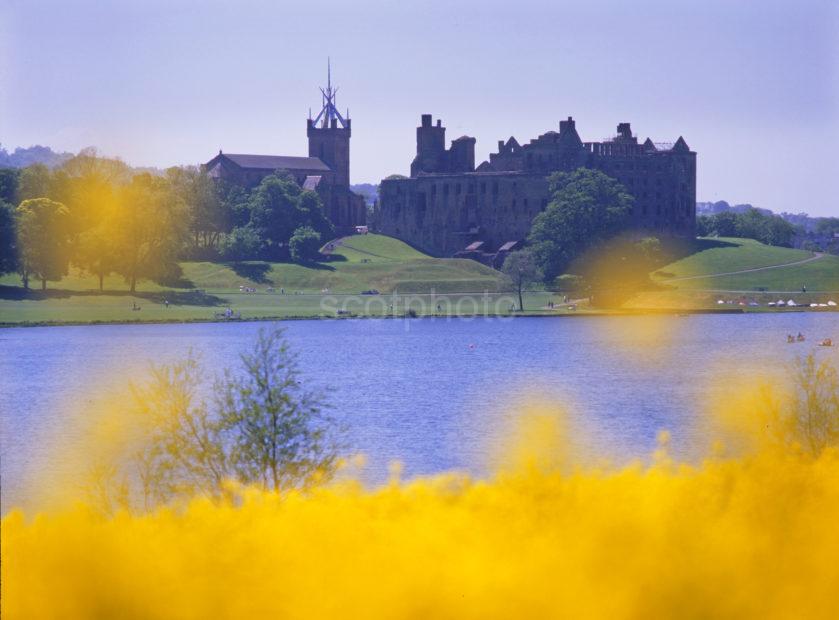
[752, 536]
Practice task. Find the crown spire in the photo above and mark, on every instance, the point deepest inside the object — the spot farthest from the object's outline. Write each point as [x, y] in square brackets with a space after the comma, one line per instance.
[329, 111]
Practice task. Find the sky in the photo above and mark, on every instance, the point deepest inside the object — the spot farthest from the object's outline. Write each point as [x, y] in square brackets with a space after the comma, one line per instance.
[753, 86]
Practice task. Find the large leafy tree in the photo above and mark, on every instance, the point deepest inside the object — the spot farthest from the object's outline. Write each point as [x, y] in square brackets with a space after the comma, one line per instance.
[148, 231]
[209, 214]
[304, 244]
[587, 207]
[43, 240]
[274, 212]
[8, 238]
[9, 180]
[279, 207]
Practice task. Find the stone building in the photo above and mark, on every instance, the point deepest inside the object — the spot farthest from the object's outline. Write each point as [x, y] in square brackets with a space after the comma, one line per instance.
[448, 205]
[326, 170]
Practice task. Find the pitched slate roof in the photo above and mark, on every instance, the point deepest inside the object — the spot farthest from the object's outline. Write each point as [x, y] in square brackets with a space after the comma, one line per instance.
[276, 162]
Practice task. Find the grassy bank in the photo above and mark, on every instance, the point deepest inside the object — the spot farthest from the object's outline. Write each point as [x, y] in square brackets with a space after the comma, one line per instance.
[410, 282]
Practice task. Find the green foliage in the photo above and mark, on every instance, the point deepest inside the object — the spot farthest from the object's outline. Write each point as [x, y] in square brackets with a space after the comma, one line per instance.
[149, 229]
[262, 428]
[242, 243]
[522, 270]
[278, 208]
[807, 417]
[587, 206]
[95, 253]
[304, 244]
[827, 225]
[43, 240]
[751, 224]
[9, 180]
[210, 213]
[8, 238]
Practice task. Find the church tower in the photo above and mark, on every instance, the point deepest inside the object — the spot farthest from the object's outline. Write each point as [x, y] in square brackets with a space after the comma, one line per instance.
[329, 134]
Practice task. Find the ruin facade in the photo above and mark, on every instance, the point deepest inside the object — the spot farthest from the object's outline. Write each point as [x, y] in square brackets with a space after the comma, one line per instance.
[448, 205]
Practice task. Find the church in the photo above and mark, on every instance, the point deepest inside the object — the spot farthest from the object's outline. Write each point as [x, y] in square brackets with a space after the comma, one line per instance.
[325, 170]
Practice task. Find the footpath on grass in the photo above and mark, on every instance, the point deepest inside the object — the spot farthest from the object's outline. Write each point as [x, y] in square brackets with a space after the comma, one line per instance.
[817, 256]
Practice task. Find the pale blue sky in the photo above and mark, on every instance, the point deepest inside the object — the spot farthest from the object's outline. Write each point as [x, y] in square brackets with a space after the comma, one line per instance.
[752, 86]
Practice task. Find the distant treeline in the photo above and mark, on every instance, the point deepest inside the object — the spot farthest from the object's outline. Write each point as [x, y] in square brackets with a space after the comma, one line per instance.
[23, 157]
[785, 229]
[103, 217]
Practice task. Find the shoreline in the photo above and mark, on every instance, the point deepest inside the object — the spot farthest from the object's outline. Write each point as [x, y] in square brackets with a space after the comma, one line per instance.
[577, 314]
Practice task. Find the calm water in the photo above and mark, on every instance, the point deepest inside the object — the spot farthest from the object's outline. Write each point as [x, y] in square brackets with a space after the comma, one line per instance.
[433, 394]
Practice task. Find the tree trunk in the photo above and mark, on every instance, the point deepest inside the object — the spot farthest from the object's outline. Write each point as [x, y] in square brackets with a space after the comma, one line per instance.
[133, 283]
[43, 284]
[25, 277]
[101, 278]
[521, 303]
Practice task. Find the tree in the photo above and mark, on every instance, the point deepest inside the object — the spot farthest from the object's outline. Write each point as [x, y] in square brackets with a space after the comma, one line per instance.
[304, 244]
[209, 214]
[521, 268]
[35, 181]
[279, 207]
[8, 238]
[587, 206]
[42, 238]
[263, 428]
[9, 180]
[242, 243]
[278, 431]
[812, 415]
[725, 224]
[312, 215]
[274, 212]
[149, 229]
[95, 252]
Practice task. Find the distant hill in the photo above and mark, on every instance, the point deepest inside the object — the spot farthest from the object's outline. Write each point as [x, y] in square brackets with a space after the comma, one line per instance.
[368, 190]
[23, 157]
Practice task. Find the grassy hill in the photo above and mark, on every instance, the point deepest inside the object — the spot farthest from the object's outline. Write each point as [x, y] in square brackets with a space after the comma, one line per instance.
[359, 263]
[409, 279]
[737, 269]
[723, 255]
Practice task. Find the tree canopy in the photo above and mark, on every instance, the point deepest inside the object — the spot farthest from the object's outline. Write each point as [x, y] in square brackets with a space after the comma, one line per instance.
[113, 219]
[586, 207]
[751, 224]
[42, 238]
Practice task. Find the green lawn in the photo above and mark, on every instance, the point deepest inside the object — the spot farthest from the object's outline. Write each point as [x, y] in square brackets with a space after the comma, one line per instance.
[821, 277]
[724, 255]
[404, 277]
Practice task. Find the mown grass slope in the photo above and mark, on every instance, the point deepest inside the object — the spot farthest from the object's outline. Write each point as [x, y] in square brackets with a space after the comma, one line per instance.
[258, 289]
[723, 255]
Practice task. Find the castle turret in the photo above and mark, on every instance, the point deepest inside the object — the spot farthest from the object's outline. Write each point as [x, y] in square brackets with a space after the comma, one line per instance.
[431, 146]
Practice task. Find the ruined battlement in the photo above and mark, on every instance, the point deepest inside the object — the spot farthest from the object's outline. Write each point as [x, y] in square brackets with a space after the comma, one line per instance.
[448, 203]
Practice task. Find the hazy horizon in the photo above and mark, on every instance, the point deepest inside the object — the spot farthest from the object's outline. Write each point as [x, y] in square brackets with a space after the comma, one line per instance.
[753, 89]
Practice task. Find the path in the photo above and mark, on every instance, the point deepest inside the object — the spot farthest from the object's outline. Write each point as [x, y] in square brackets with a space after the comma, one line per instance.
[815, 257]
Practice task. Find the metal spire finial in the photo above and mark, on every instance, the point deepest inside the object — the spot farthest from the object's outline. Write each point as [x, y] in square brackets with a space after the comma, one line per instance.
[329, 111]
